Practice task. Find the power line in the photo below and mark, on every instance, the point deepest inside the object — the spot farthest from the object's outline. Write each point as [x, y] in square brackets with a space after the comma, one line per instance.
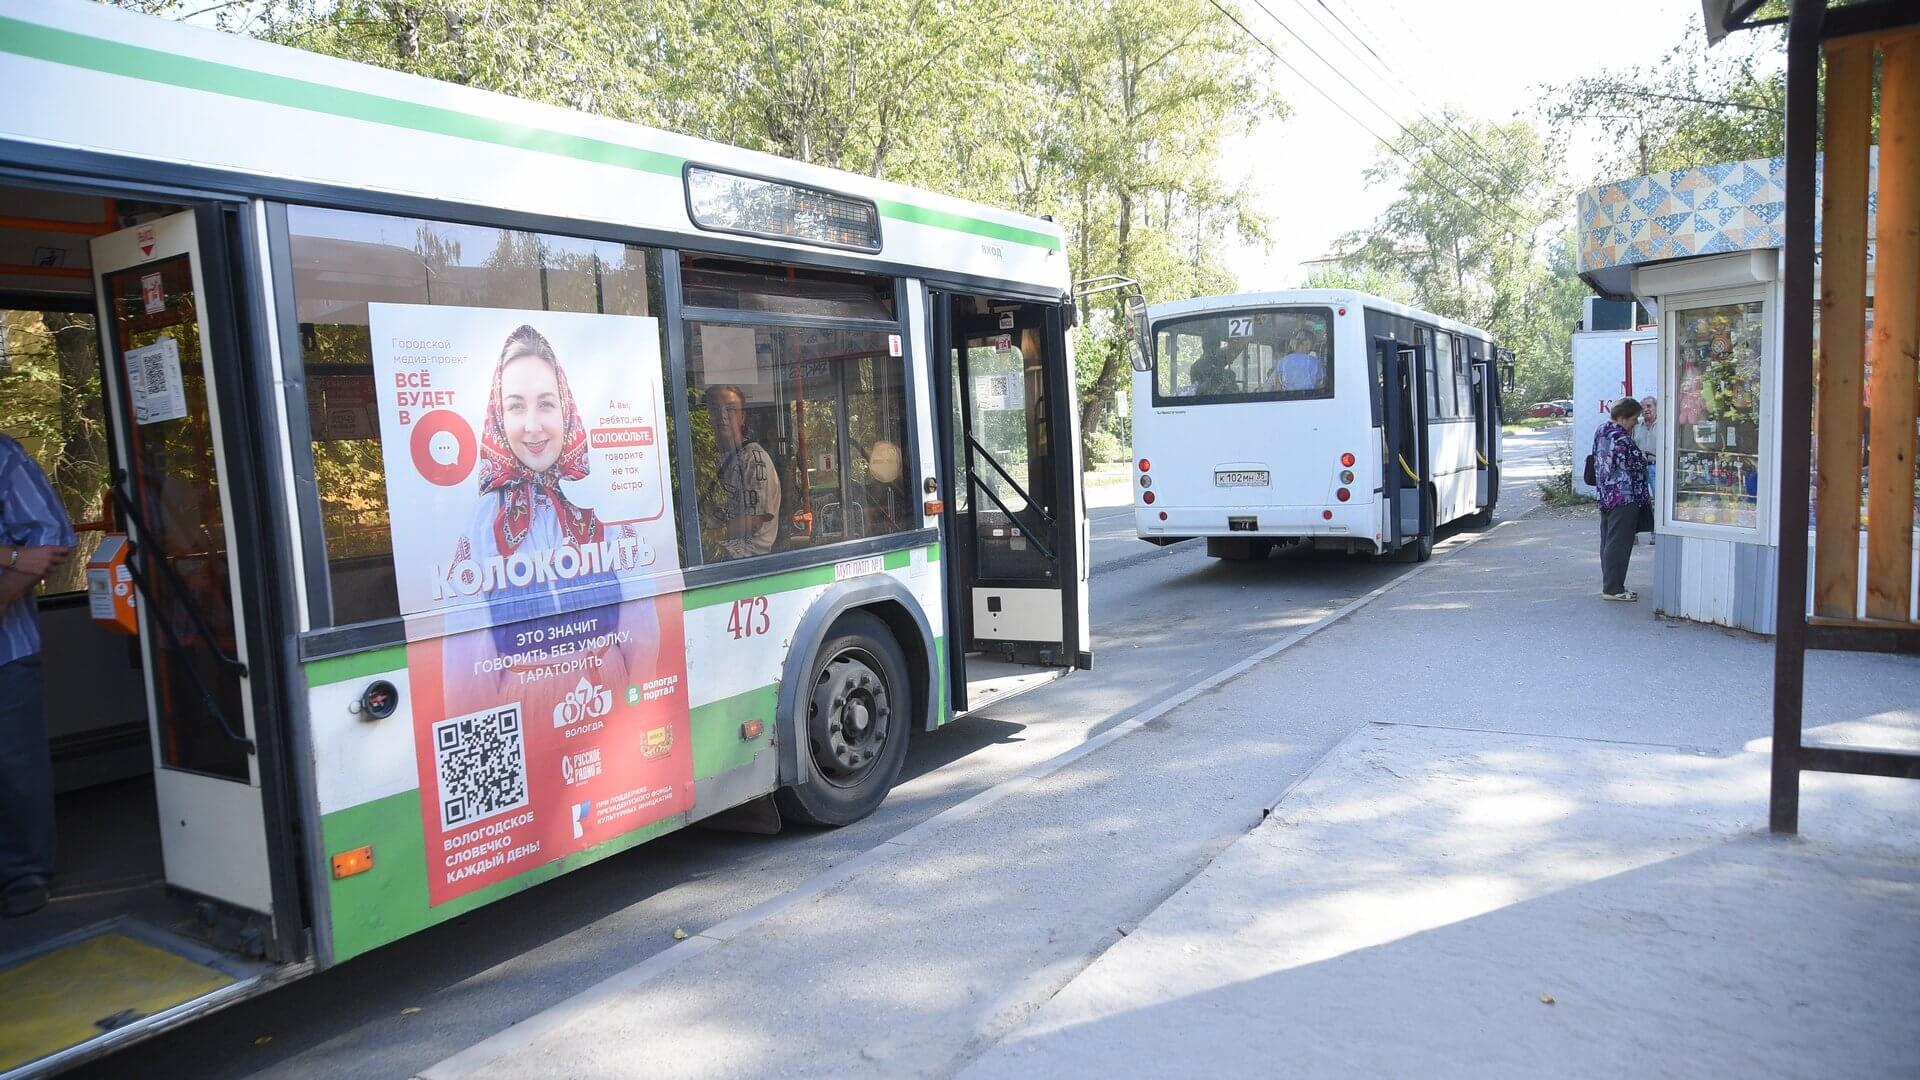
[1443, 122]
[1364, 126]
[1368, 98]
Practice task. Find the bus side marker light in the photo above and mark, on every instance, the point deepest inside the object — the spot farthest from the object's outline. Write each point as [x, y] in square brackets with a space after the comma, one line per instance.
[1163, 515]
[1346, 461]
[1147, 497]
[1346, 476]
[348, 863]
[1326, 515]
[751, 730]
[935, 506]
[1343, 494]
[1145, 465]
[1146, 481]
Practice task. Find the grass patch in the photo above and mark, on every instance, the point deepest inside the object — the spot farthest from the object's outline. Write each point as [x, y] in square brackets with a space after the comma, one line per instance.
[1529, 424]
[1557, 488]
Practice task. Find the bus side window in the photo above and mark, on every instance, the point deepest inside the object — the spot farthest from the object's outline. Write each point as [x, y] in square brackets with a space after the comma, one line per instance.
[344, 260]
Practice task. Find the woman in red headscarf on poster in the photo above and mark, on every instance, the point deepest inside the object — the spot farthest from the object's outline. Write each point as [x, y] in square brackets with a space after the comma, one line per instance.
[531, 442]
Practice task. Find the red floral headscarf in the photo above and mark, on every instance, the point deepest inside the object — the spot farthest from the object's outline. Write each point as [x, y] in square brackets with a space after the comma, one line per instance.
[501, 471]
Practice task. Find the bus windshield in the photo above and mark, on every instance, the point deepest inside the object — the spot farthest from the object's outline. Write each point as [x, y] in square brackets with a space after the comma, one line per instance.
[1278, 354]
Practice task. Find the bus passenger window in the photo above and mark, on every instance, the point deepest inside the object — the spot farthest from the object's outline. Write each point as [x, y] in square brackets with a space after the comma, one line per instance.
[1277, 355]
[343, 261]
[799, 437]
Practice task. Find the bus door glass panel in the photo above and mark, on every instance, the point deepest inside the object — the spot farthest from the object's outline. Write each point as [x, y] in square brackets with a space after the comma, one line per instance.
[1009, 460]
[1007, 480]
[1409, 462]
[176, 506]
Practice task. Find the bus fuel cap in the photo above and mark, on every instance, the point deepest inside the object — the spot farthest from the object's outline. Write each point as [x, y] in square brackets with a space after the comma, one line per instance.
[379, 700]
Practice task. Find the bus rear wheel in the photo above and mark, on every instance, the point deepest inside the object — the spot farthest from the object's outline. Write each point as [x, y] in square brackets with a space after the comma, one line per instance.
[853, 726]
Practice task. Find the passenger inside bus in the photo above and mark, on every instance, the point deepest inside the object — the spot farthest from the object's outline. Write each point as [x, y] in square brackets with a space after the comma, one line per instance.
[741, 513]
[1300, 369]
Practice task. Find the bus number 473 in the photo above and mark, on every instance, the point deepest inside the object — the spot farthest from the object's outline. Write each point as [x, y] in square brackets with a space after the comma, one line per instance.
[749, 618]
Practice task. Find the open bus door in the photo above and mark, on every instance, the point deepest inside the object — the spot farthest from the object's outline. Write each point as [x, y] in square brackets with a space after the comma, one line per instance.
[1404, 468]
[175, 497]
[1487, 375]
[1016, 597]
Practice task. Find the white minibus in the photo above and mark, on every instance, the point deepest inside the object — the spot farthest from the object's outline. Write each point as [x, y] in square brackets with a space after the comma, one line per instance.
[1324, 417]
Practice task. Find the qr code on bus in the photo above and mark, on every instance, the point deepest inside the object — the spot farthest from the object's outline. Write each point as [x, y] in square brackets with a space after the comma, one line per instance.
[481, 762]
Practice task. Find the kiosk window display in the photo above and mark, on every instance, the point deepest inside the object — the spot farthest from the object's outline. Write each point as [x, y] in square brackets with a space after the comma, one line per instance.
[1719, 352]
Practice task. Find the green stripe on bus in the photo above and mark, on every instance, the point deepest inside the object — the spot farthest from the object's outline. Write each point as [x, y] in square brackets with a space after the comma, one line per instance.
[356, 666]
[152, 65]
[811, 577]
[717, 745]
[390, 901]
[942, 219]
[190, 73]
[739, 590]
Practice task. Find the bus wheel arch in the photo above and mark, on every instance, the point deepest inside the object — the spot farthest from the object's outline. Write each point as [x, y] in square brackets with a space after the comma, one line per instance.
[863, 653]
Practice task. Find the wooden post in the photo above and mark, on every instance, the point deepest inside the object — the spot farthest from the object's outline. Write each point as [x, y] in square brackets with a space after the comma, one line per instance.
[1896, 333]
[1843, 300]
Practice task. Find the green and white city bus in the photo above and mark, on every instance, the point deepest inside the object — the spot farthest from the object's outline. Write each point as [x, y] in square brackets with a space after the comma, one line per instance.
[470, 490]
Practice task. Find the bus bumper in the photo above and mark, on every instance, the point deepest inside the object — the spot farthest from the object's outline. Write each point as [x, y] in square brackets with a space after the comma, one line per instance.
[1344, 523]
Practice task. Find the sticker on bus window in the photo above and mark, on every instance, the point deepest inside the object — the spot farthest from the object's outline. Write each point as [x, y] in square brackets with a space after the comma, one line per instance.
[153, 293]
[1003, 343]
[893, 344]
[999, 392]
[153, 374]
[1240, 326]
[1006, 320]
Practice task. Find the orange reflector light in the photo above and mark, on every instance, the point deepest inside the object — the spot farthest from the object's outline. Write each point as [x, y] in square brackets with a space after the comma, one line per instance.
[1145, 465]
[936, 506]
[1163, 515]
[1326, 515]
[348, 863]
[1147, 497]
[1346, 461]
[751, 730]
[1343, 494]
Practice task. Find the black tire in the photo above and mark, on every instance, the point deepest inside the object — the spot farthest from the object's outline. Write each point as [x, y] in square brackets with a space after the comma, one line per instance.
[1417, 550]
[853, 725]
[1480, 519]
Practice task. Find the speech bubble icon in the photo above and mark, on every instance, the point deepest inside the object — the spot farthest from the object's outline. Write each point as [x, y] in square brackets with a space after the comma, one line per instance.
[444, 448]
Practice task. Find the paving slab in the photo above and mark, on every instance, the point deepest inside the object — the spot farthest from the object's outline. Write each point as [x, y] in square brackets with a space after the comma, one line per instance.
[1466, 903]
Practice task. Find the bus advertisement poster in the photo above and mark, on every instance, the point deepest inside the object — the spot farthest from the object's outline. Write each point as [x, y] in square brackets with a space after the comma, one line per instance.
[542, 738]
[536, 562]
[525, 452]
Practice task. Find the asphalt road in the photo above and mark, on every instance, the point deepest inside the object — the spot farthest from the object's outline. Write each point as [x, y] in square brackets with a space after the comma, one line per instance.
[1163, 620]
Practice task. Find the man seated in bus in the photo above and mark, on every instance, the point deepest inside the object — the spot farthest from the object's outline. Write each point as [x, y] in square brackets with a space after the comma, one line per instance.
[1212, 374]
[1300, 369]
[741, 509]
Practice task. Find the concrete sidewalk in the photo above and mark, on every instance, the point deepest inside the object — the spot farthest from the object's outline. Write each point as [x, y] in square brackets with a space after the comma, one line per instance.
[1455, 901]
[1490, 786]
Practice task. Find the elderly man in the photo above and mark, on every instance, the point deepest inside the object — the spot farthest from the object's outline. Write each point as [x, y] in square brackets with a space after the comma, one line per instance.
[35, 539]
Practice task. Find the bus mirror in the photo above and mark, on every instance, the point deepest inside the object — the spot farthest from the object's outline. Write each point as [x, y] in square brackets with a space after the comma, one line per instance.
[1139, 343]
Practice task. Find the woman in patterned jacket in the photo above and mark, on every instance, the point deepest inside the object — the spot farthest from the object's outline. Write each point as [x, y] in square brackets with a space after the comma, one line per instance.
[1620, 475]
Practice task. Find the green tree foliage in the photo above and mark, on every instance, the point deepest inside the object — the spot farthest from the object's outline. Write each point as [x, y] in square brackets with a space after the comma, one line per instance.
[1696, 106]
[1360, 278]
[1476, 234]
